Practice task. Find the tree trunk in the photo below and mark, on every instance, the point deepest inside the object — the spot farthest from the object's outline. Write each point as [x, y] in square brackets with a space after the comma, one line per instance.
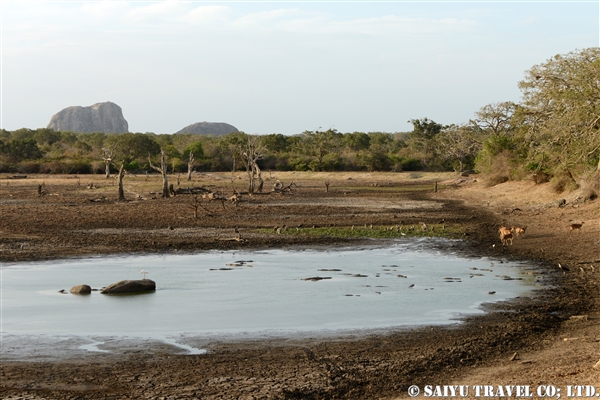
[259, 177]
[107, 168]
[163, 166]
[120, 181]
[250, 180]
[190, 166]
[163, 171]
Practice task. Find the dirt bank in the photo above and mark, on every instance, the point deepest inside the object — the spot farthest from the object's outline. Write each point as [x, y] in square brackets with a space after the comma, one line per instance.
[71, 219]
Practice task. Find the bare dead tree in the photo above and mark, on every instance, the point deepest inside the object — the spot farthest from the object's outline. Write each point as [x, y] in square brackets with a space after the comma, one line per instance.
[235, 198]
[327, 183]
[195, 204]
[190, 166]
[279, 187]
[163, 170]
[107, 156]
[251, 155]
[216, 196]
[120, 181]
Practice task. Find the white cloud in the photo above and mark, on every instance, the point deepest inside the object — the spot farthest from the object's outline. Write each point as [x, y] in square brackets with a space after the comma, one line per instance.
[172, 63]
[166, 11]
[207, 14]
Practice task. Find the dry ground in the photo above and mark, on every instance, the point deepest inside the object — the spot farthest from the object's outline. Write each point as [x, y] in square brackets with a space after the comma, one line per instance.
[553, 348]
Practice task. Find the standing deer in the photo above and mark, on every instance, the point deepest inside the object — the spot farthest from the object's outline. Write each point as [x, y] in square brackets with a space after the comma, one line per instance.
[575, 227]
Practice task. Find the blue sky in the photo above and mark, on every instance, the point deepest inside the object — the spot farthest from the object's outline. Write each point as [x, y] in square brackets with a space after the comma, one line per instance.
[279, 67]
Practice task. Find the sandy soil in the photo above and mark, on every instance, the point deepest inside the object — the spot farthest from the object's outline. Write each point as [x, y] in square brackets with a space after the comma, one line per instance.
[551, 339]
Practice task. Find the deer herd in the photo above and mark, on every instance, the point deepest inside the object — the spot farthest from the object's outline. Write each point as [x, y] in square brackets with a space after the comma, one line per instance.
[508, 234]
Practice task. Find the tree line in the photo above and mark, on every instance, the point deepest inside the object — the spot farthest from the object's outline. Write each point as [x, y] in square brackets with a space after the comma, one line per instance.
[551, 134]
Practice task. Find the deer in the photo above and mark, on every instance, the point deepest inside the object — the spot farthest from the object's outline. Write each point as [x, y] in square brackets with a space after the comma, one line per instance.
[506, 237]
[575, 227]
[504, 231]
[520, 231]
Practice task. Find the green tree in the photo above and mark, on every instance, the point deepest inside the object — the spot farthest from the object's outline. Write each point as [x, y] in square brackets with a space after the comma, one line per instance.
[132, 146]
[561, 116]
[16, 150]
[233, 144]
[423, 135]
[45, 136]
[318, 144]
[357, 141]
[458, 145]
[275, 143]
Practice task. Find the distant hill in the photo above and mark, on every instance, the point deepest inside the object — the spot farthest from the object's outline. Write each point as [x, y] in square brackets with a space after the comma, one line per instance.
[101, 117]
[209, 128]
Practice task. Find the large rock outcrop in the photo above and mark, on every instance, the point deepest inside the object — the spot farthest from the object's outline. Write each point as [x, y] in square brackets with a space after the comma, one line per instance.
[101, 117]
[138, 286]
[209, 128]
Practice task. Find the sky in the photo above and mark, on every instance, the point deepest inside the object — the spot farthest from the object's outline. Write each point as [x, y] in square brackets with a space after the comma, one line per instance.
[279, 66]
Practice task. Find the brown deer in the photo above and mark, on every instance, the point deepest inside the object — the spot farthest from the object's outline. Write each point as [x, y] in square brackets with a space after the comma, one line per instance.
[505, 238]
[504, 231]
[520, 231]
[575, 227]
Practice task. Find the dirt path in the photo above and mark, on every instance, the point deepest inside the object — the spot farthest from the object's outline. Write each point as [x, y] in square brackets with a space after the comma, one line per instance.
[73, 221]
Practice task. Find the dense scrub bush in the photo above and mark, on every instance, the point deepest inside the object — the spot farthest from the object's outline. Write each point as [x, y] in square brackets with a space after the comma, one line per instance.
[29, 167]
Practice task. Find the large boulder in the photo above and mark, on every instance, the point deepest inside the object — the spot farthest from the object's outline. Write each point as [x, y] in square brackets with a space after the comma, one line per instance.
[209, 128]
[81, 289]
[139, 286]
[101, 117]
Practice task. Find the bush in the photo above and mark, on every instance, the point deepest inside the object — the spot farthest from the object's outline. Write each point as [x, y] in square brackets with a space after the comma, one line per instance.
[52, 167]
[540, 177]
[78, 167]
[69, 167]
[496, 179]
[4, 167]
[564, 182]
[29, 167]
[98, 167]
[411, 164]
[502, 165]
[132, 166]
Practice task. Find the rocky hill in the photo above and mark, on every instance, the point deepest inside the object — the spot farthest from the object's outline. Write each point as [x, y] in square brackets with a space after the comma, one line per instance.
[101, 117]
[209, 128]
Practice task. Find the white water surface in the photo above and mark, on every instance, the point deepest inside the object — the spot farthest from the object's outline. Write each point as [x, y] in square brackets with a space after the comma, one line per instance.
[266, 294]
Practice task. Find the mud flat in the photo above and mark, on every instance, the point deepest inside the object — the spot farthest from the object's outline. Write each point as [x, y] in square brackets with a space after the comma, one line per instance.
[554, 343]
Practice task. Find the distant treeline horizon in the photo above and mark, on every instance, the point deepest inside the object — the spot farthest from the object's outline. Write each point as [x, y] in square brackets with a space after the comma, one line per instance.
[553, 133]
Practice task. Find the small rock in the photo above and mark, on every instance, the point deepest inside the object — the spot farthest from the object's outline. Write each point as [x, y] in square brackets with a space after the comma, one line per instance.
[81, 289]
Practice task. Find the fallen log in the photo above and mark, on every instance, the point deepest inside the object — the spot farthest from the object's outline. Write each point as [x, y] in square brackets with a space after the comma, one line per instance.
[193, 190]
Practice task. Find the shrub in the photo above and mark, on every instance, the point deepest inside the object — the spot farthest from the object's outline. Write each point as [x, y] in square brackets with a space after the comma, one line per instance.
[29, 167]
[98, 167]
[502, 165]
[52, 167]
[411, 164]
[540, 177]
[78, 167]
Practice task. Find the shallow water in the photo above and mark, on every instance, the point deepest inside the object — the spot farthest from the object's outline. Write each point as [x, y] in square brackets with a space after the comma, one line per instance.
[266, 293]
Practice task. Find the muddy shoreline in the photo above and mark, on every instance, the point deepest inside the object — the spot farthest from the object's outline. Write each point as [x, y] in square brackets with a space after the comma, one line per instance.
[374, 365]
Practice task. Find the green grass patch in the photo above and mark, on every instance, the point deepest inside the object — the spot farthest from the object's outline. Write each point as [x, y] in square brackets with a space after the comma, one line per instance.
[387, 189]
[447, 231]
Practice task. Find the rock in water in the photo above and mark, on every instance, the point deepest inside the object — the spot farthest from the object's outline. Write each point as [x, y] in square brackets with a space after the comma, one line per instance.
[139, 286]
[101, 117]
[209, 128]
[81, 289]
